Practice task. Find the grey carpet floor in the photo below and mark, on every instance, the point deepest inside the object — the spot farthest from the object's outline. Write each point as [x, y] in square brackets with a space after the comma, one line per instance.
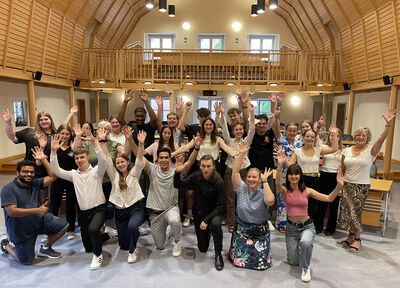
[376, 265]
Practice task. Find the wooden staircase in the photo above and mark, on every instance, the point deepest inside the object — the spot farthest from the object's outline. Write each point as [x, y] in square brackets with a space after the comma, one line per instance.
[9, 165]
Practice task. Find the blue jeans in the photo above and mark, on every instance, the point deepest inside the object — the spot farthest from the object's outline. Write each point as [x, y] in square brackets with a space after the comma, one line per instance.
[299, 243]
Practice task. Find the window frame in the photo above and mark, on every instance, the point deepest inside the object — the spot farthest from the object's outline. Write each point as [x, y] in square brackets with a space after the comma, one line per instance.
[258, 100]
[210, 106]
[273, 37]
[152, 99]
[211, 36]
[149, 36]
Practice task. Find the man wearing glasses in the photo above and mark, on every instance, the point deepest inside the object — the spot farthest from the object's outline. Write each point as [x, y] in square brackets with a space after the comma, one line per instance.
[26, 216]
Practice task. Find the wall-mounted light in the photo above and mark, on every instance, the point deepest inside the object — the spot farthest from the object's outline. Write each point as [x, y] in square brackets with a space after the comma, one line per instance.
[171, 10]
[234, 100]
[186, 25]
[295, 100]
[254, 10]
[162, 6]
[236, 26]
[273, 4]
[237, 40]
[185, 40]
[260, 6]
[149, 4]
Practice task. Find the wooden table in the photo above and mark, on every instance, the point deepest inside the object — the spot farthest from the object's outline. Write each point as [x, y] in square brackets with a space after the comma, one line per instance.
[378, 201]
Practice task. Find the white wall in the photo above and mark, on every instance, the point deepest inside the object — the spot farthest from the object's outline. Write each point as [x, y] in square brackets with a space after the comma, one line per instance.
[367, 112]
[53, 100]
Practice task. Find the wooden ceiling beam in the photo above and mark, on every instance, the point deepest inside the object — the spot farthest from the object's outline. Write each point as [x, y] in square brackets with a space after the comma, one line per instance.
[357, 8]
[94, 14]
[309, 19]
[290, 28]
[342, 10]
[302, 23]
[112, 21]
[330, 15]
[29, 35]
[133, 26]
[396, 26]
[119, 26]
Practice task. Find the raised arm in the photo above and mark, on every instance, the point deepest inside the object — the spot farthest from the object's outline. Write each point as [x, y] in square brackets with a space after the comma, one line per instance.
[97, 144]
[226, 148]
[38, 154]
[72, 111]
[335, 143]
[128, 96]
[159, 102]
[217, 108]
[378, 143]
[78, 136]
[184, 169]
[183, 148]
[14, 211]
[127, 131]
[182, 121]
[178, 106]
[278, 177]
[5, 114]
[328, 198]
[145, 98]
[236, 179]
[276, 125]
[243, 98]
[292, 160]
[269, 197]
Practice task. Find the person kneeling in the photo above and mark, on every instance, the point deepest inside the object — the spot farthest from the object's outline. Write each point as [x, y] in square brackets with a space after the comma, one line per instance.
[209, 205]
[26, 217]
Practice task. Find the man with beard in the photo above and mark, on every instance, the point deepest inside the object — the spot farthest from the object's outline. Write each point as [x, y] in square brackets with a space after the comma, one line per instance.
[26, 216]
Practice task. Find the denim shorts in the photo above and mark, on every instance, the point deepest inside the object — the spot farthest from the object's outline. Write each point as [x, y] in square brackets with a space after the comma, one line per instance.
[50, 225]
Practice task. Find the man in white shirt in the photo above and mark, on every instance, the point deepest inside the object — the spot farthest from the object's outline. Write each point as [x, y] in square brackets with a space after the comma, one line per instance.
[87, 181]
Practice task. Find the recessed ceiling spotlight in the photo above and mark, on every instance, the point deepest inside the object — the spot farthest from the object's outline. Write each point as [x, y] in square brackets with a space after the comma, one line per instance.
[273, 84]
[147, 82]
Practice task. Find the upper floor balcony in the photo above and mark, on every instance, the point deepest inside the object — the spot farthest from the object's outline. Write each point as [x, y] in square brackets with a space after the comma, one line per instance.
[283, 70]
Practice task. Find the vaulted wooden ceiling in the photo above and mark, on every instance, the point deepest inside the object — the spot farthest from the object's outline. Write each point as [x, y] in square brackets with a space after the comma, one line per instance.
[49, 35]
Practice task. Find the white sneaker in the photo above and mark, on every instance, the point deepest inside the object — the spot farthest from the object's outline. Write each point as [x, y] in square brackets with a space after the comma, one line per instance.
[96, 262]
[132, 257]
[71, 235]
[306, 275]
[186, 222]
[271, 226]
[144, 229]
[113, 233]
[177, 250]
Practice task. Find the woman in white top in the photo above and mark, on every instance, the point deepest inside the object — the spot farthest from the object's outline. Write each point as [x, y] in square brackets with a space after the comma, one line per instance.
[234, 143]
[116, 130]
[356, 165]
[211, 143]
[329, 170]
[126, 195]
[308, 158]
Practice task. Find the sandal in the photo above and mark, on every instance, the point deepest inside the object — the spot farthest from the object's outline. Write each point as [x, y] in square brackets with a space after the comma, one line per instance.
[346, 243]
[230, 228]
[282, 229]
[354, 249]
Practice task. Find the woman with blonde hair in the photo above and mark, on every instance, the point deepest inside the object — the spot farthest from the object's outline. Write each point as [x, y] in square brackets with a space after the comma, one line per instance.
[251, 242]
[329, 170]
[356, 166]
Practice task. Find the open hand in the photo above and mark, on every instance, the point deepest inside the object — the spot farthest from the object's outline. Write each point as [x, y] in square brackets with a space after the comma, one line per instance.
[42, 139]
[38, 154]
[74, 109]
[5, 114]
[390, 116]
[178, 104]
[141, 136]
[56, 142]
[128, 95]
[266, 174]
[144, 95]
[127, 131]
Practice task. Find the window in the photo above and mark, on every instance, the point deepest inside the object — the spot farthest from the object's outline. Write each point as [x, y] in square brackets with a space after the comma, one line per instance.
[206, 102]
[160, 41]
[154, 105]
[21, 113]
[211, 41]
[263, 43]
[261, 106]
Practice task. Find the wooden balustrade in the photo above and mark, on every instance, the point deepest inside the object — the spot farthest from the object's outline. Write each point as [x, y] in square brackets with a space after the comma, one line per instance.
[211, 67]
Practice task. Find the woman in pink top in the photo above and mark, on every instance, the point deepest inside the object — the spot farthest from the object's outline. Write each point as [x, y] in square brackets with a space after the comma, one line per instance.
[166, 140]
[300, 231]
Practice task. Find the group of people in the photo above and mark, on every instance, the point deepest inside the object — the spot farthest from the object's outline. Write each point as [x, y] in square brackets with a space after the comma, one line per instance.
[124, 175]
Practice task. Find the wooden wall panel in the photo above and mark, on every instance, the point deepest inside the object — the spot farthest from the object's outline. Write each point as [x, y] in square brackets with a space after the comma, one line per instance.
[103, 10]
[347, 56]
[4, 13]
[358, 50]
[372, 47]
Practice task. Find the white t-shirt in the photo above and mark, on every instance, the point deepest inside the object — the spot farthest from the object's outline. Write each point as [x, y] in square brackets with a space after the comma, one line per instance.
[309, 164]
[120, 139]
[207, 148]
[358, 168]
[331, 162]
[162, 193]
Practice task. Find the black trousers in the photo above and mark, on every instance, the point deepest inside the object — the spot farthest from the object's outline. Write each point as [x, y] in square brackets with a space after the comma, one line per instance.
[328, 183]
[57, 190]
[312, 182]
[91, 222]
[203, 236]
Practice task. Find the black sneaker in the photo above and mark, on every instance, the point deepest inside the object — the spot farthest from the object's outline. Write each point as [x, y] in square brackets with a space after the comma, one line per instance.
[49, 253]
[4, 242]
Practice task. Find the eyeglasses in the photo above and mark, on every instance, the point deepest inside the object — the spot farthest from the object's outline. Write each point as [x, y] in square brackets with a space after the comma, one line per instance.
[28, 172]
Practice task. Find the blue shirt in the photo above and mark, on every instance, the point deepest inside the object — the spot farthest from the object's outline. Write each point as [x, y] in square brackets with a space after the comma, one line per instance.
[22, 228]
[250, 206]
[285, 143]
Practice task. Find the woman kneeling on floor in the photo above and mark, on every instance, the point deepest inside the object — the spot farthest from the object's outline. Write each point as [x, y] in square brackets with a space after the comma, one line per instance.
[300, 231]
[251, 243]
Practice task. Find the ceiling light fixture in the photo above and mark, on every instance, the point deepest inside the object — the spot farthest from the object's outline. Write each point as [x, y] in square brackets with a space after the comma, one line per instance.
[260, 6]
[149, 4]
[162, 6]
[147, 82]
[254, 10]
[273, 4]
[171, 10]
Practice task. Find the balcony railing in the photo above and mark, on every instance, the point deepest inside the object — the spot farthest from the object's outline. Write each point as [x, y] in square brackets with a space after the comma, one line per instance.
[117, 67]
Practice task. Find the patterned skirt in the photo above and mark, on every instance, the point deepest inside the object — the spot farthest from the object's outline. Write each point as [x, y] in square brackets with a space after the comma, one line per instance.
[251, 245]
[351, 206]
